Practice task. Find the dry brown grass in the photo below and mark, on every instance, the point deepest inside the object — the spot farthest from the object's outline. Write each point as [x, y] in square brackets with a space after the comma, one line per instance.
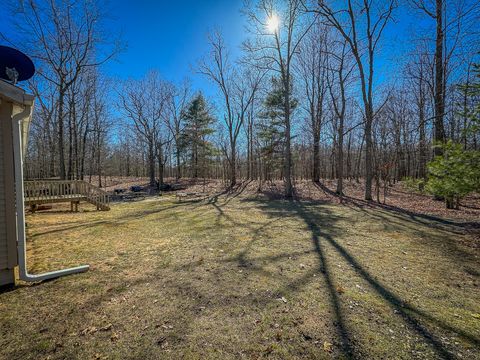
[245, 277]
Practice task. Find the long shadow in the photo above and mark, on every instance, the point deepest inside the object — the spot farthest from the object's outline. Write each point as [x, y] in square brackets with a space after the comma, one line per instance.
[229, 196]
[117, 220]
[393, 300]
[404, 310]
[432, 220]
[291, 287]
[230, 192]
[399, 218]
[237, 191]
[325, 235]
[281, 207]
[342, 328]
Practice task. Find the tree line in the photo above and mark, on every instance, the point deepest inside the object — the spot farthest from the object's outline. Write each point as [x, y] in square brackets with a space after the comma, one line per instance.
[311, 96]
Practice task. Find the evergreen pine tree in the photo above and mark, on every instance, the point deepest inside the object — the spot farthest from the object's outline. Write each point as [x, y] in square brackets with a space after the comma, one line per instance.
[456, 172]
[271, 127]
[194, 139]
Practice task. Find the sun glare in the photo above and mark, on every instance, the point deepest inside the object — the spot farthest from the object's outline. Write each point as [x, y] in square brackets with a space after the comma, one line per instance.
[273, 23]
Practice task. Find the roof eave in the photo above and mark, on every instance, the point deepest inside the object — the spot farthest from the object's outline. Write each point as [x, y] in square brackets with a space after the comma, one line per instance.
[15, 94]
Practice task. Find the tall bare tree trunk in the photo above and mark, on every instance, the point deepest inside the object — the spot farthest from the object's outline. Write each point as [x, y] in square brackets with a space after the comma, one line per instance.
[368, 155]
[177, 155]
[61, 150]
[288, 151]
[233, 164]
[151, 164]
[439, 131]
[160, 168]
[422, 173]
[99, 162]
[316, 158]
[340, 157]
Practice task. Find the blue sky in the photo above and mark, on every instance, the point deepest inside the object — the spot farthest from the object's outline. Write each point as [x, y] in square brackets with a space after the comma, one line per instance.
[171, 36]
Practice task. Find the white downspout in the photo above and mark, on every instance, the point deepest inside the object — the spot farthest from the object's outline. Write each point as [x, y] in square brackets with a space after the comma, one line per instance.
[20, 205]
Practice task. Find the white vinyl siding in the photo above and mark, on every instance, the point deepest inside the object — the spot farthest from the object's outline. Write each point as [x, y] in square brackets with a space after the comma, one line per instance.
[3, 231]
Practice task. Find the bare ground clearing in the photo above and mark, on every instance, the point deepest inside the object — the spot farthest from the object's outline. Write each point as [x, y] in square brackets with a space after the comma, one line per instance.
[399, 198]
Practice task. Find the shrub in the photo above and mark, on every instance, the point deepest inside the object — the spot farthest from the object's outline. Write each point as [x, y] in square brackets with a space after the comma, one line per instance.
[414, 184]
[454, 174]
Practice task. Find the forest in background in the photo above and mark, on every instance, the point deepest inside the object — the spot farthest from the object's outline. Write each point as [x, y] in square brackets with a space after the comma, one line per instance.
[309, 98]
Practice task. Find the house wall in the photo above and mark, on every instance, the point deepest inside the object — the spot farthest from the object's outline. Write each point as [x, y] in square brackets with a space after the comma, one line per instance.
[8, 242]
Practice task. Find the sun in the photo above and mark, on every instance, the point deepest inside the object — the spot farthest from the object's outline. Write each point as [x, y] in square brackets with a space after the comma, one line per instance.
[273, 23]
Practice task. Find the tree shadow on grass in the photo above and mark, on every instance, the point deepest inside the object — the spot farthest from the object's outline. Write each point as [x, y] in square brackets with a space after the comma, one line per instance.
[280, 210]
[415, 216]
[321, 223]
[395, 218]
[328, 219]
[230, 194]
[114, 221]
[413, 317]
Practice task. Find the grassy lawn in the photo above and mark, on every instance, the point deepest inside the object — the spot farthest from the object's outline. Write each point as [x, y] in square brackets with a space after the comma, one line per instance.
[245, 277]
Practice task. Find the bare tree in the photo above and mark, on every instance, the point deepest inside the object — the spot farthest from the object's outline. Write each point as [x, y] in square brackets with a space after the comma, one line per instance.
[312, 70]
[454, 47]
[238, 90]
[418, 76]
[143, 102]
[246, 91]
[177, 103]
[249, 126]
[63, 36]
[349, 22]
[99, 127]
[437, 13]
[340, 69]
[279, 31]
[43, 131]
[218, 68]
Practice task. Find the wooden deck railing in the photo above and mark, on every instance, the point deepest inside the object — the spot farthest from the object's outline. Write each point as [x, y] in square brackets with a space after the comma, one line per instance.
[94, 194]
[51, 191]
